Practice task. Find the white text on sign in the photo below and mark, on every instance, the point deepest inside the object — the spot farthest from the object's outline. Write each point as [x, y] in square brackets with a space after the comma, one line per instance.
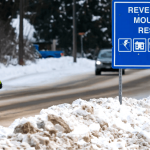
[141, 20]
[138, 10]
[144, 30]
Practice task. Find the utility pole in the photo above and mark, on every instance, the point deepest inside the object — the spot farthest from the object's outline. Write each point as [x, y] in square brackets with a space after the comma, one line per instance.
[82, 46]
[21, 34]
[74, 32]
[82, 34]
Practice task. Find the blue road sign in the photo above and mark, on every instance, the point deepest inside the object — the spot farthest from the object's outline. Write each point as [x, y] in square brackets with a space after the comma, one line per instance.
[131, 34]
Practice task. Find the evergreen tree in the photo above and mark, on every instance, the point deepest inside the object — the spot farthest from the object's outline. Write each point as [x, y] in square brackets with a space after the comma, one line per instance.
[52, 19]
[7, 10]
[7, 34]
[94, 19]
[8, 39]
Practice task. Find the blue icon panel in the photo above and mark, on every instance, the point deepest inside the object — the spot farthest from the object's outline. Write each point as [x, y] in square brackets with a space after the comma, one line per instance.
[139, 45]
[149, 45]
[124, 45]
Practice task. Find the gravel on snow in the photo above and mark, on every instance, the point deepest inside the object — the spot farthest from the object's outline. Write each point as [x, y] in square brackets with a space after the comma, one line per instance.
[97, 124]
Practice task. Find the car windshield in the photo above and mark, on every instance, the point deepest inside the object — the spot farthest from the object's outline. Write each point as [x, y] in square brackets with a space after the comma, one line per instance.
[105, 54]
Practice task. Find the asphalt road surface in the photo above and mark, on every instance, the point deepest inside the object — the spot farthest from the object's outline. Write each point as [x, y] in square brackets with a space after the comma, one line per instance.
[28, 102]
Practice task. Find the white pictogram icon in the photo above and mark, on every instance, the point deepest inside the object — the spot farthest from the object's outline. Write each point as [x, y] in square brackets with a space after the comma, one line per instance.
[148, 45]
[124, 45]
[139, 45]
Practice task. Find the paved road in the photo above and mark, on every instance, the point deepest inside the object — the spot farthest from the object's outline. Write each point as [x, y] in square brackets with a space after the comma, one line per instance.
[27, 102]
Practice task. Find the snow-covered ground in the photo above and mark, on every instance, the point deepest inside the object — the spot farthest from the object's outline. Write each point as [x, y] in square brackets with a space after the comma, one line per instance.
[98, 124]
[44, 71]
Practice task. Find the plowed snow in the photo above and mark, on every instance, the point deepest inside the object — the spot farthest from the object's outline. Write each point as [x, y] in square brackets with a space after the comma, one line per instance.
[98, 124]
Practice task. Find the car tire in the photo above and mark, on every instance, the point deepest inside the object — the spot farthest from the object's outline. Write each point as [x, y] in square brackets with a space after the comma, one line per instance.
[97, 72]
[123, 71]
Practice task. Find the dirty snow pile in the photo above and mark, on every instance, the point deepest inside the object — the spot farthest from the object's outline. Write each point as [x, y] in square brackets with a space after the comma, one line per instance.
[44, 71]
[98, 124]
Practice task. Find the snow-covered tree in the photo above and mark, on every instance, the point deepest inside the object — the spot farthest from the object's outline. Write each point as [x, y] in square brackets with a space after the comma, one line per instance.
[52, 19]
[8, 39]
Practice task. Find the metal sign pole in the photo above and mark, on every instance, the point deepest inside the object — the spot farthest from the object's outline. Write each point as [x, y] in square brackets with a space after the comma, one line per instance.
[74, 32]
[120, 86]
[82, 45]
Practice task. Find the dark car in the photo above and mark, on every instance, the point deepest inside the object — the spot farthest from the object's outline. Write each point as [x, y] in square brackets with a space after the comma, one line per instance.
[103, 62]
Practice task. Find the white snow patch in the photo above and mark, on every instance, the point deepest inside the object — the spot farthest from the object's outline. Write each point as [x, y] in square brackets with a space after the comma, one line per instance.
[103, 29]
[28, 29]
[44, 71]
[94, 18]
[91, 125]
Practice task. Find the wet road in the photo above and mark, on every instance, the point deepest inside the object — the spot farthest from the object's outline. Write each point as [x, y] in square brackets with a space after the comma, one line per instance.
[27, 102]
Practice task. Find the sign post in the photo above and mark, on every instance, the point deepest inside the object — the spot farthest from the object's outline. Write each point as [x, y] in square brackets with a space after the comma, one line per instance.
[120, 86]
[130, 36]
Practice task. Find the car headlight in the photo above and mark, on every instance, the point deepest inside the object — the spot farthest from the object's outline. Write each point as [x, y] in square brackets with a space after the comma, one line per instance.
[98, 62]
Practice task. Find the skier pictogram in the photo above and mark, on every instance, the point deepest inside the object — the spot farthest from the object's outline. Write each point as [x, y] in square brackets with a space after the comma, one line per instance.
[124, 45]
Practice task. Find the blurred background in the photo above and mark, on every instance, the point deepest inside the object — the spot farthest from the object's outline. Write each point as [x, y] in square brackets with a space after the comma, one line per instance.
[49, 24]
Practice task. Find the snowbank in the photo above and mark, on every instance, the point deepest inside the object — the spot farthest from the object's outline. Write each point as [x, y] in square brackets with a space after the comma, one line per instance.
[44, 71]
[97, 124]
